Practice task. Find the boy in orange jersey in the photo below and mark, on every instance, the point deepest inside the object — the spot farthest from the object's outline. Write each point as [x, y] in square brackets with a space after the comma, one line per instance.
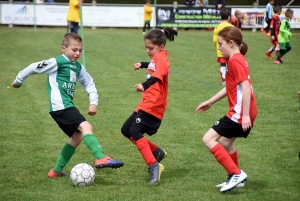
[147, 15]
[274, 27]
[236, 19]
[225, 16]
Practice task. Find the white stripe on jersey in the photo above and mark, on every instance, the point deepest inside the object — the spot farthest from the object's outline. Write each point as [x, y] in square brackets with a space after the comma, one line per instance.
[55, 96]
[238, 107]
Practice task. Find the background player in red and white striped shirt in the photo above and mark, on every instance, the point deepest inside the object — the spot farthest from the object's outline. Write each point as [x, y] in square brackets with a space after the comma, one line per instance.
[274, 27]
[240, 118]
[237, 19]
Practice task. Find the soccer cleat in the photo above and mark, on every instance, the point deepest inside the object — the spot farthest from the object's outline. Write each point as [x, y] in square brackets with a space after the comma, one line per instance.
[155, 171]
[159, 154]
[52, 174]
[280, 60]
[277, 62]
[233, 181]
[269, 55]
[240, 185]
[108, 162]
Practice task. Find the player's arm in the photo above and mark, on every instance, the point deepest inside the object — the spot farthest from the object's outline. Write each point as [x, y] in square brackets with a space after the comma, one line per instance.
[202, 107]
[41, 67]
[272, 27]
[246, 91]
[88, 85]
[283, 28]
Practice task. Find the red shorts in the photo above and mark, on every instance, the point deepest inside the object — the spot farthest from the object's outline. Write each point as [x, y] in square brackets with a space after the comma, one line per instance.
[222, 60]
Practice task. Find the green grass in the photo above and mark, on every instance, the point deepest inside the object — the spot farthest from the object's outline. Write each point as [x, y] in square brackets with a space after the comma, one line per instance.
[30, 141]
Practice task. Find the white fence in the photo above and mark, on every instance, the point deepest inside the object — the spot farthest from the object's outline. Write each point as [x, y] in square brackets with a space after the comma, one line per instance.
[105, 16]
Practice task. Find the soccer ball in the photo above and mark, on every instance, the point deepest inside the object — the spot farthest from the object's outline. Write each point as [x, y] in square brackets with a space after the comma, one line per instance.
[82, 174]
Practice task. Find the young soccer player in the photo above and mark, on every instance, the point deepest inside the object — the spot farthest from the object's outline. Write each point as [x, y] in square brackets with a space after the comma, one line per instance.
[236, 20]
[268, 17]
[73, 16]
[63, 73]
[284, 36]
[274, 27]
[147, 15]
[242, 108]
[149, 113]
[225, 16]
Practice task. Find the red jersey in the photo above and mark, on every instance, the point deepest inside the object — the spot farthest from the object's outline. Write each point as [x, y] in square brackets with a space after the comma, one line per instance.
[275, 26]
[154, 99]
[235, 22]
[238, 72]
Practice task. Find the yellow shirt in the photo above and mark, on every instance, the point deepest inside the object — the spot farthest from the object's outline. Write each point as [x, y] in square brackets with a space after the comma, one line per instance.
[217, 29]
[73, 13]
[147, 12]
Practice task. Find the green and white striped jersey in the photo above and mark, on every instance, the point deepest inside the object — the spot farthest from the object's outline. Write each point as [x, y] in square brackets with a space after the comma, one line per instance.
[62, 77]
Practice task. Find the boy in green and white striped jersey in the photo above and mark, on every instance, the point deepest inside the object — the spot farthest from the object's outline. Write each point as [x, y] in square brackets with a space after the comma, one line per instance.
[63, 73]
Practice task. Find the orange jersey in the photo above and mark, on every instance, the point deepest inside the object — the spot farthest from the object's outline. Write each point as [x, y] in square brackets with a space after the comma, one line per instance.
[235, 22]
[154, 99]
[275, 26]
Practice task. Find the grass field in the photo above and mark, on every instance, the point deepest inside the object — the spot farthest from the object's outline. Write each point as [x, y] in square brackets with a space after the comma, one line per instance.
[30, 140]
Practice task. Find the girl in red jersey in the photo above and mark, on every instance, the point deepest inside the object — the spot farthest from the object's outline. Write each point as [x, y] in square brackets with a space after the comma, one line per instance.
[148, 114]
[240, 118]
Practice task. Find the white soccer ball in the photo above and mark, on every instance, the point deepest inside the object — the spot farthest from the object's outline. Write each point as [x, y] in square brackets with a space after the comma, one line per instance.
[82, 174]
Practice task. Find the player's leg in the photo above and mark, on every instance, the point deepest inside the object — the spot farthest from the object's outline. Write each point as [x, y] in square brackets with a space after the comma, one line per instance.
[281, 53]
[69, 27]
[144, 27]
[148, 25]
[75, 27]
[223, 67]
[222, 156]
[269, 52]
[137, 130]
[61, 118]
[102, 160]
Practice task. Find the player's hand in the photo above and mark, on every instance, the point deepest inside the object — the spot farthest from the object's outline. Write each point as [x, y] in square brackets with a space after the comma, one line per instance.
[15, 85]
[139, 87]
[203, 107]
[272, 37]
[92, 110]
[137, 66]
[246, 122]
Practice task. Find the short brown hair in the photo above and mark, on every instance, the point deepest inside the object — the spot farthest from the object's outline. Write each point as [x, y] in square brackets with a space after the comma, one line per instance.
[70, 36]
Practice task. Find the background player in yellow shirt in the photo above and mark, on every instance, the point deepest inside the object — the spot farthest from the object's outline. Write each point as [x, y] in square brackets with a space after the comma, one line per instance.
[73, 16]
[147, 15]
[225, 17]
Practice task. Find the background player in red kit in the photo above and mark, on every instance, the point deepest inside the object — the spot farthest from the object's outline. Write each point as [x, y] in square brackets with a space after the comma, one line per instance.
[237, 19]
[148, 114]
[240, 118]
[274, 27]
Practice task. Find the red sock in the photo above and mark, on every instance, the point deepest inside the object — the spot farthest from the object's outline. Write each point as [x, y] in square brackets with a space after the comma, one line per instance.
[152, 146]
[144, 148]
[235, 158]
[224, 159]
[132, 140]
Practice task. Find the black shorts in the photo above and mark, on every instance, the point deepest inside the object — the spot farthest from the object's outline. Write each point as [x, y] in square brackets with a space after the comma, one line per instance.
[230, 129]
[68, 120]
[147, 122]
